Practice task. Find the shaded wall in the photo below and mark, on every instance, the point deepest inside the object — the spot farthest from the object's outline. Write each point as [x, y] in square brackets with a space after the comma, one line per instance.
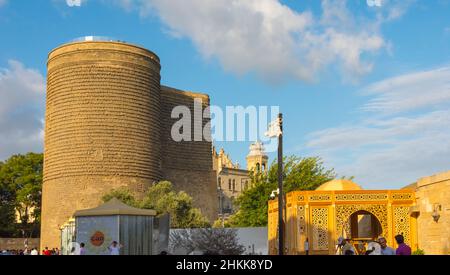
[188, 164]
[434, 193]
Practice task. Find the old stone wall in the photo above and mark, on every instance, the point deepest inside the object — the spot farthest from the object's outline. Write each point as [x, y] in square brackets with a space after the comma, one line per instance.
[433, 193]
[17, 243]
[188, 164]
[102, 127]
[108, 126]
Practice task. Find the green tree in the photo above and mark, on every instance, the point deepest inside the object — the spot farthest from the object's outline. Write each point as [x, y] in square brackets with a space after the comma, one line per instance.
[122, 194]
[20, 187]
[6, 208]
[298, 174]
[163, 199]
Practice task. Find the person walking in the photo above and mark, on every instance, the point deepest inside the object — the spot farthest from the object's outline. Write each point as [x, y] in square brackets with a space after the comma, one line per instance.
[403, 249]
[306, 246]
[385, 249]
[82, 249]
[114, 248]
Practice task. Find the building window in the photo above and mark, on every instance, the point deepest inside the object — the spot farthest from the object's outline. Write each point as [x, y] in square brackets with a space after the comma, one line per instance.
[258, 169]
[229, 184]
[246, 185]
[219, 181]
[234, 185]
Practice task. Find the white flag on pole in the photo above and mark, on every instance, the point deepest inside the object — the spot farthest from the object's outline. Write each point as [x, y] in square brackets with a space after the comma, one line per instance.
[274, 129]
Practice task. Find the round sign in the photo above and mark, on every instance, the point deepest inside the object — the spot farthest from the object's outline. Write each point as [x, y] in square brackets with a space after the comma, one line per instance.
[97, 239]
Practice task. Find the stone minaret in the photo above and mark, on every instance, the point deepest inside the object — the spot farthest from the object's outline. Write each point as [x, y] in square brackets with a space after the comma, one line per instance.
[257, 158]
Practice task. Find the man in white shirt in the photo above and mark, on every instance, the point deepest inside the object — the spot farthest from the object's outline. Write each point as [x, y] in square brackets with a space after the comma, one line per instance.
[114, 248]
[373, 248]
[34, 251]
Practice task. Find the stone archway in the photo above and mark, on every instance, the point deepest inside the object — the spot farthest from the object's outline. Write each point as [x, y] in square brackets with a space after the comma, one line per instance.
[365, 225]
[344, 213]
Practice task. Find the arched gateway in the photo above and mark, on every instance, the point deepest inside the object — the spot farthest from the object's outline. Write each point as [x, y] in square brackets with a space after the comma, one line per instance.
[341, 208]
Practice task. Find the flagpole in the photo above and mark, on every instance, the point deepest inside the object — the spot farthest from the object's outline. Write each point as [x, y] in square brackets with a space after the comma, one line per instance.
[280, 186]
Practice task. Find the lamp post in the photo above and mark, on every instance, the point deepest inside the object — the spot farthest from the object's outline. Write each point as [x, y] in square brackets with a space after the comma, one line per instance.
[276, 130]
[280, 187]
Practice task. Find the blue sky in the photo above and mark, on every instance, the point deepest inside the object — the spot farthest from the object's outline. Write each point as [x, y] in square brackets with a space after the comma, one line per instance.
[365, 87]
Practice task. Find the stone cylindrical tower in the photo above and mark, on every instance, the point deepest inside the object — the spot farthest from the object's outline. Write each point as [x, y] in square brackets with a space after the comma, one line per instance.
[102, 129]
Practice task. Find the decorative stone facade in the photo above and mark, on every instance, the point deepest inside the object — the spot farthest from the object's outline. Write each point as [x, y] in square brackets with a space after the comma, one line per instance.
[433, 198]
[108, 125]
[321, 217]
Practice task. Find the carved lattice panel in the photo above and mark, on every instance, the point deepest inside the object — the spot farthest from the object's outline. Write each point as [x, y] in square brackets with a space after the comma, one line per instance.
[402, 196]
[362, 197]
[324, 197]
[343, 213]
[319, 217]
[402, 222]
[301, 222]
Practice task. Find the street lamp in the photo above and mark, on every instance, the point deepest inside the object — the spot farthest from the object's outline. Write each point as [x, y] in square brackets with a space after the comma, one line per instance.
[435, 213]
[276, 130]
[274, 194]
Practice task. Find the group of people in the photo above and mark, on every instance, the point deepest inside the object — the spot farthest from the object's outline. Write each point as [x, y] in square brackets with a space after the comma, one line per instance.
[114, 249]
[32, 252]
[379, 247]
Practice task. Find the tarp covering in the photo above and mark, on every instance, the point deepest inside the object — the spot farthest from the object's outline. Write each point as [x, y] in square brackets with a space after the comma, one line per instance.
[114, 207]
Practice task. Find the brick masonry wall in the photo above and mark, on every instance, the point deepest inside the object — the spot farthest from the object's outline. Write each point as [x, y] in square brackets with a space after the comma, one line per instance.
[434, 237]
[102, 127]
[108, 126]
[188, 164]
[198, 184]
[17, 243]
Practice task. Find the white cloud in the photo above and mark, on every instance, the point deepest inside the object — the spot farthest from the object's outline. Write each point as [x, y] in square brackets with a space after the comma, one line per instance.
[410, 92]
[374, 3]
[272, 39]
[22, 105]
[75, 3]
[405, 134]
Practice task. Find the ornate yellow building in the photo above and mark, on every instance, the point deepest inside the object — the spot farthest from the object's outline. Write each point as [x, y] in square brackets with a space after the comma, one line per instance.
[341, 208]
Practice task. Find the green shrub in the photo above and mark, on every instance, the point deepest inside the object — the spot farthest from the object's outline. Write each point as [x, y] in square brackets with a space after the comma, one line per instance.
[419, 252]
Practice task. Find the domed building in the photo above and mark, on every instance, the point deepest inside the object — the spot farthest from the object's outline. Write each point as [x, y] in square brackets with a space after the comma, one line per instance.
[339, 185]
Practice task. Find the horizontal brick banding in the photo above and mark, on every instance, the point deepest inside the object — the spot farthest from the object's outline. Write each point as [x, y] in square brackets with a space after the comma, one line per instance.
[186, 154]
[103, 127]
[102, 112]
[108, 125]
